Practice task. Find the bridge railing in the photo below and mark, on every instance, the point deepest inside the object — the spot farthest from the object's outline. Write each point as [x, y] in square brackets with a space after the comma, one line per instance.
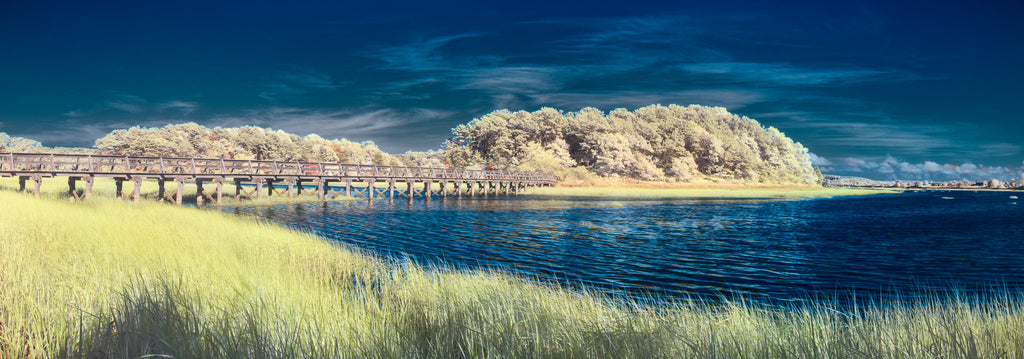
[24, 163]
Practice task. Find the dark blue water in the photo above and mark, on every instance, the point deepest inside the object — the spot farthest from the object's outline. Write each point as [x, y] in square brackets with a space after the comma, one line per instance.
[857, 247]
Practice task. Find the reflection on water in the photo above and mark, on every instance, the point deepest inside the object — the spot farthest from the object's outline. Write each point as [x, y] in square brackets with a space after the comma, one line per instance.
[776, 250]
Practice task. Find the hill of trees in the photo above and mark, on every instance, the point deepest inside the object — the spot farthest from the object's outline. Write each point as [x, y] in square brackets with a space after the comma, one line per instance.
[673, 143]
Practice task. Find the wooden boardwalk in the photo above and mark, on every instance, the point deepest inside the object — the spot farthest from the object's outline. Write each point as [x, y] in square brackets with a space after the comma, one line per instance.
[270, 178]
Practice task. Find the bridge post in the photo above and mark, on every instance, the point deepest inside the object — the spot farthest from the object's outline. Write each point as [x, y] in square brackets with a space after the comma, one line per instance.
[348, 188]
[370, 190]
[444, 189]
[179, 191]
[291, 187]
[118, 186]
[238, 189]
[160, 192]
[39, 183]
[391, 189]
[270, 187]
[408, 190]
[220, 188]
[320, 188]
[472, 188]
[427, 189]
[88, 187]
[71, 188]
[21, 184]
[138, 189]
[259, 188]
[199, 192]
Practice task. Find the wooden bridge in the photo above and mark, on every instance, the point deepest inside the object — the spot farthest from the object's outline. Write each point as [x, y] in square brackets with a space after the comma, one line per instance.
[270, 178]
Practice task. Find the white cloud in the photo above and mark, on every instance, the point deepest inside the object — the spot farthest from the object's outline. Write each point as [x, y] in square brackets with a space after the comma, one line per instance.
[818, 160]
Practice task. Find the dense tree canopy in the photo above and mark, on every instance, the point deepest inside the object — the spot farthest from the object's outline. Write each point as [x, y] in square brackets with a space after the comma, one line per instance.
[17, 144]
[652, 143]
[248, 142]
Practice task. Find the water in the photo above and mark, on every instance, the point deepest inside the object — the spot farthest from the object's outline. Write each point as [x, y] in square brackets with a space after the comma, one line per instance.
[853, 247]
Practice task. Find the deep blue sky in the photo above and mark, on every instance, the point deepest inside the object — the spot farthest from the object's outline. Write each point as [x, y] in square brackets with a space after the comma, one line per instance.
[881, 89]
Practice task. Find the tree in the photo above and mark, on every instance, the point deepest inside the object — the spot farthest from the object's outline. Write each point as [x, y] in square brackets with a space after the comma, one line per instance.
[18, 144]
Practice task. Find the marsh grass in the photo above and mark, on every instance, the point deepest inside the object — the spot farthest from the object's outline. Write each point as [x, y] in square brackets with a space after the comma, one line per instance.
[112, 279]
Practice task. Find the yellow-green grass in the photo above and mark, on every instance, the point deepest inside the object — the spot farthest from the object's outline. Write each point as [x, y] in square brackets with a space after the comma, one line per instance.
[108, 278]
[790, 192]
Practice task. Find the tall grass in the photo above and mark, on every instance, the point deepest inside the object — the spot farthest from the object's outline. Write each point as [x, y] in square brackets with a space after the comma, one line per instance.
[114, 279]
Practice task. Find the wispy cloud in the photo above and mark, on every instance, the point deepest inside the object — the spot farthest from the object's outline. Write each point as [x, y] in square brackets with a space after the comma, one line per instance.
[298, 81]
[121, 104]
[421, 55]
[184, 107]
[780, 74]
[356, 124]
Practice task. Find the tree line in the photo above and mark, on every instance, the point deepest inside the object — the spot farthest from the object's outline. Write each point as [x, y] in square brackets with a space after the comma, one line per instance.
[673, 143]
[659, 143]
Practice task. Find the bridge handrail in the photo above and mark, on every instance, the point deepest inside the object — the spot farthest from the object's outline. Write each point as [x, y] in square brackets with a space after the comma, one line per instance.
[23, 163]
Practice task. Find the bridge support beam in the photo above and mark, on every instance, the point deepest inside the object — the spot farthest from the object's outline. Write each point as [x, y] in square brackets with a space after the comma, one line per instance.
[371, 190]
[138, 189]
[179, 191]
[320, 188]
[220, 189]
[199, 193]
[72, 192]
[161, 193]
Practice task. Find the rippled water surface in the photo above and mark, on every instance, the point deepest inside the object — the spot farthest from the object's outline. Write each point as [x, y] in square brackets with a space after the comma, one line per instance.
[776, 250]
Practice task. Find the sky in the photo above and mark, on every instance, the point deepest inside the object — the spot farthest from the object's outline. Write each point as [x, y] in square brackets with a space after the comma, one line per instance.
[877, 89]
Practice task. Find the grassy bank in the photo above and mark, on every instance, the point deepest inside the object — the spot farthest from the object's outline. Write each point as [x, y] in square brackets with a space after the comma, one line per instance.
[114, 279]
[702, 192]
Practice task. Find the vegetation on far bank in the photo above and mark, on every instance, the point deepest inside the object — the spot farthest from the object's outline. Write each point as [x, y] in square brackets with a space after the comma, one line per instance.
[114, 279]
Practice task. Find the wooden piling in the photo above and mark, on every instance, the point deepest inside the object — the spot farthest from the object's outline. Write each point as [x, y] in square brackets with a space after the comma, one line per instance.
[220, 189]
[88, 187]
[160, 191]
[199, 193]
[138, 189]
[71, 188]
[179, 191]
